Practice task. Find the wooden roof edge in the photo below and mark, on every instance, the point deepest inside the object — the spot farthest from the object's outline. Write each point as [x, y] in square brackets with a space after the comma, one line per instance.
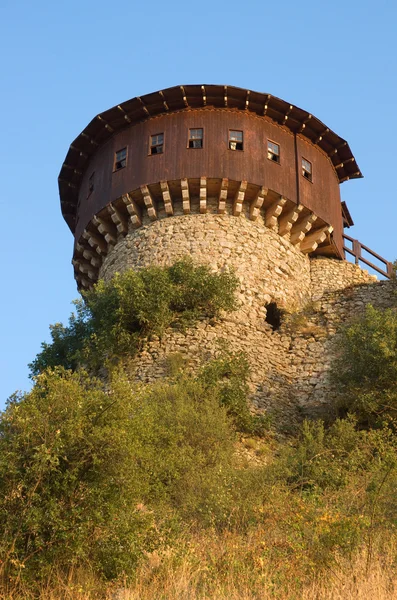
[86, 146]
[346, 216]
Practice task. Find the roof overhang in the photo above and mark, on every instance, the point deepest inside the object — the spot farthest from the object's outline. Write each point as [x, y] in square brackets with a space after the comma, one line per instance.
[138, 109]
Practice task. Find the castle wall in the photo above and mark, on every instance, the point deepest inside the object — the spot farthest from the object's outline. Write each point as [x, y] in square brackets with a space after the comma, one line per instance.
[268, 266]
[290, 366]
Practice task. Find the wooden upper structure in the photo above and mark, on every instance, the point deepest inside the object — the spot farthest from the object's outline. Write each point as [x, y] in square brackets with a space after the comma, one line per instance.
[92, 185]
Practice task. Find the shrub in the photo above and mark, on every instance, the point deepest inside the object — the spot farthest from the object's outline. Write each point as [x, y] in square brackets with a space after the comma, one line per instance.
[366, 369]
[116, 316]
[230, 374]
[96, 477]
[68, 478]
[186, 450]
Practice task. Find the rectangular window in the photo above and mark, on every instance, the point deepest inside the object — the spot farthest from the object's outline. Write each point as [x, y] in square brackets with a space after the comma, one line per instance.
[157, 143]
[273, 151]
[120, 159]
[91, 184]
[307, 169]
[195, 138]
[235, 140]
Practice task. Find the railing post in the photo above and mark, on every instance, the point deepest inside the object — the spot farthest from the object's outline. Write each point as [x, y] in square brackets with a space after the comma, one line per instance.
[390, 270]
[357, 251]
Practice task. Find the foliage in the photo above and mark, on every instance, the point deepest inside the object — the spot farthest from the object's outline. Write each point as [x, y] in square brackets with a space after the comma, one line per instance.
[90, 476]
[67, 478]
[230, 374]
[109, 476]
[116, 316]
[186, 449]
[104, 478]
[366, 369]
[328, 459]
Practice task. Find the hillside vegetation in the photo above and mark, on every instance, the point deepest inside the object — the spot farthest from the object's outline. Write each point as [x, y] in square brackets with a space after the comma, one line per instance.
[110, 488]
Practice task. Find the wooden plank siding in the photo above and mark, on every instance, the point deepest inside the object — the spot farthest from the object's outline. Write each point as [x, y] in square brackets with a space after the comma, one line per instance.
[214, 160]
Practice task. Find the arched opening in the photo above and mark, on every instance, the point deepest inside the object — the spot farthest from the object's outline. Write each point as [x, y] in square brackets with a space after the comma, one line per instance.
[273, 315]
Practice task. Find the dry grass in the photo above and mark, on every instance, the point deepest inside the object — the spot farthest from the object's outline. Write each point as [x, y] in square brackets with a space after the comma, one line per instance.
[228, 567]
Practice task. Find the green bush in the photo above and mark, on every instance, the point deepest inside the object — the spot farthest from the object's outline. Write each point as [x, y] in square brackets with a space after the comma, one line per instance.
[97, 477]
[115, 316]
[365, 372]
[68, 478]
[186, 442]
[330, 459]
[229, 373]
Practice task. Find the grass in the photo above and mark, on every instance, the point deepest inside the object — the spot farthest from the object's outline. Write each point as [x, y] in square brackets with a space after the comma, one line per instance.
[229, 566]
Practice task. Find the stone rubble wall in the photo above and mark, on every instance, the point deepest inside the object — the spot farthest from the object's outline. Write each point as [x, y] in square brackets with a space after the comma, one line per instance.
[289, 366]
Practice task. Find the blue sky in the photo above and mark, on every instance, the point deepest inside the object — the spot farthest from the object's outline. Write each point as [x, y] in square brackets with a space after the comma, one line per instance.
[61, 63]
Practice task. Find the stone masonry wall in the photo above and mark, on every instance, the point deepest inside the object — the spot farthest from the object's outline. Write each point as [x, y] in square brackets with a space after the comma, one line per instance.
[289, 366]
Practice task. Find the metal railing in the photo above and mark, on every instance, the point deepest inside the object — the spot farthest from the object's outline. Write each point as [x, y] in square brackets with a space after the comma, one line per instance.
[356, 250]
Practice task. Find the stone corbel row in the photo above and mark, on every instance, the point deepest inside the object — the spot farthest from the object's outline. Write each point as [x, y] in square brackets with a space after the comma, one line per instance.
[292, 222]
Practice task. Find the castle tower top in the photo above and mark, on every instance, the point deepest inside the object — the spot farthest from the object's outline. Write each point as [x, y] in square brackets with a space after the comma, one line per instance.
[241, 150]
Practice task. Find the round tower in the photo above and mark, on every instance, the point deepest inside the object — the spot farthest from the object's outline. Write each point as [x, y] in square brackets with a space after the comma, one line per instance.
[237, 179]
[204, 150]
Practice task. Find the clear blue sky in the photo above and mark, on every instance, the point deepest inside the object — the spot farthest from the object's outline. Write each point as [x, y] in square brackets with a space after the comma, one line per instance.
[64, 62]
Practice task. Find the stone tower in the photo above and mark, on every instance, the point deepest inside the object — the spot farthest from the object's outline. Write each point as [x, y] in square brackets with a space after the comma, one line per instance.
[234, 178]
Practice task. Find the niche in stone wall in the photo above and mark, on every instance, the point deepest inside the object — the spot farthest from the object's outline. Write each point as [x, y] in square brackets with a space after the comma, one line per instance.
[274, 315]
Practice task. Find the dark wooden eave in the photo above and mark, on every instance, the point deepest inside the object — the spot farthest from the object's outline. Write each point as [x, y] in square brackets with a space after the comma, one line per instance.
[346, 216]
[138, 109]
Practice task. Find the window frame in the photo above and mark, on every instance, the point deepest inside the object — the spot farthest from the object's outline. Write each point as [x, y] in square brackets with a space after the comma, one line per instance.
[115, 161]
[151, 146]
[306, 174]
[230, 141]
[270, 151]
[191, 139]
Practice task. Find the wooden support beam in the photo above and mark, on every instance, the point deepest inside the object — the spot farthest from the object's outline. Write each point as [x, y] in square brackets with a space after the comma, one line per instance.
[303, 125]
[165, 190]
[85, 268]
[239, 198]
[266, 105]
[247, 99]
[300, 229]
[314, 238]
[223, 196]
[105, 229]
[149, 203]
[257, 203]
[204, 95]
[133, 210]
[164, 101]
[126, 117]
[185, 196]
[95, 242]
[89, 255]
[287, 114]
[273, 212]
[288, 219]
[118, 219]
[85, 283]
[203, 195]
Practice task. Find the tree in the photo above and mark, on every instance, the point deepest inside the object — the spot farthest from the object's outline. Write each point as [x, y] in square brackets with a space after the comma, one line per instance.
[366, 368]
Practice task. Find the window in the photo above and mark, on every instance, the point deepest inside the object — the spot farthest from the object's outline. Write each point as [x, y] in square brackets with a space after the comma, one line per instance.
[120, 159]
[195, 138]
[235, 140]
[273, 151]
[307, 169]
[91, 184]
[157, 143]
